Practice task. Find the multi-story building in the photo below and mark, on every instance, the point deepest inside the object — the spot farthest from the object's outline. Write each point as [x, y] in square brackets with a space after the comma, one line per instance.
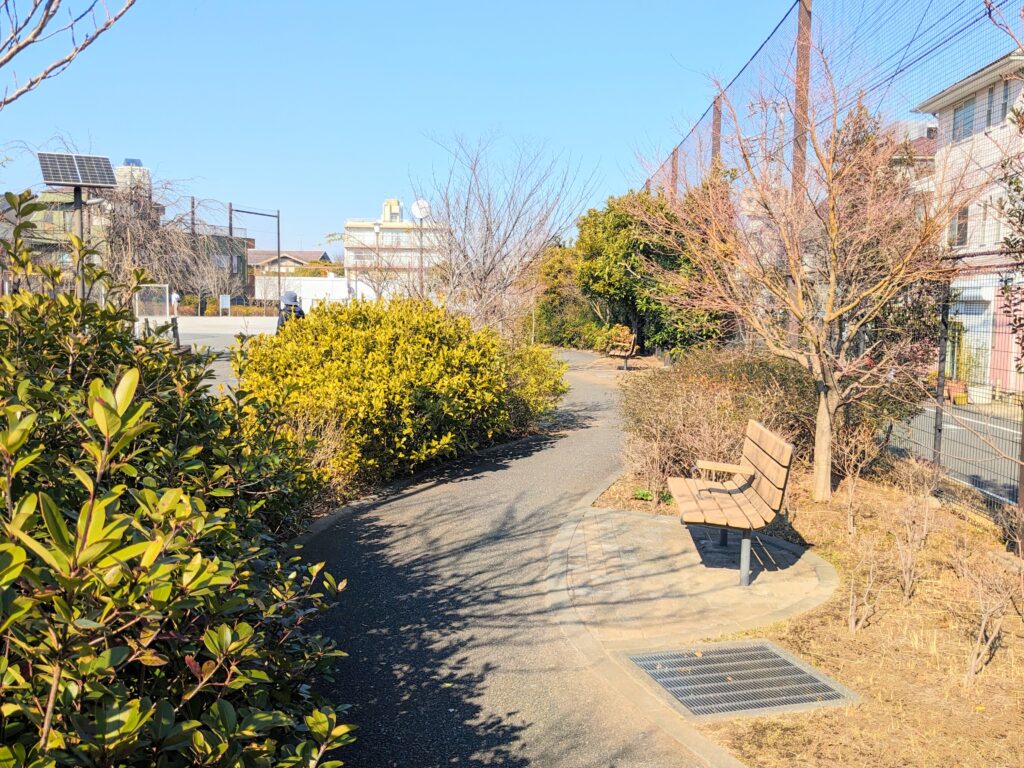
[974, 136]
[393, 254]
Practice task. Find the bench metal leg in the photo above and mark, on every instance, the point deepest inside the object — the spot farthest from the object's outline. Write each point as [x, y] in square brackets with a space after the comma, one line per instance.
[745, 559]
[723, 538]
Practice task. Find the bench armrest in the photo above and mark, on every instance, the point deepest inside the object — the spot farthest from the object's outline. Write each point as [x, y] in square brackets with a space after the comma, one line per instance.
[717, 466]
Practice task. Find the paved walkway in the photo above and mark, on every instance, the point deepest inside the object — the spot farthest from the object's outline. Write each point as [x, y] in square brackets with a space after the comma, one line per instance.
[465, 647]
[640, 581]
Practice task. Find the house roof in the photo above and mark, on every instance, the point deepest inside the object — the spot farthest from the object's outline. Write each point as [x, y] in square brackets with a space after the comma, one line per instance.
[988, 74]
[923, 147]
[257, 256]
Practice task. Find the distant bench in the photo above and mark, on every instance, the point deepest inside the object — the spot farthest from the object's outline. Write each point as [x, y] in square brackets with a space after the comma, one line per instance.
[745, 502]
[622, 345]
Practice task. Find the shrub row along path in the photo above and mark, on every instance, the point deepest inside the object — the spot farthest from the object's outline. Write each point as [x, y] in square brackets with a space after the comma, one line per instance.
[459, 648]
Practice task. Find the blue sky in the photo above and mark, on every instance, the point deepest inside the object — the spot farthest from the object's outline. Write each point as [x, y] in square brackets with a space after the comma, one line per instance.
[323, 109]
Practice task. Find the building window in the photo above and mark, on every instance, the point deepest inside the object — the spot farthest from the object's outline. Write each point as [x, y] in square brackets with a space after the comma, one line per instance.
[958, 228]
[1004, 108]
[990, 110]
[963, 119]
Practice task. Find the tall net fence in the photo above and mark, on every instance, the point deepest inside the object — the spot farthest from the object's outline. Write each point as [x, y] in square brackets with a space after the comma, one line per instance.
[895, 57]
[153, 301]
[944, 75]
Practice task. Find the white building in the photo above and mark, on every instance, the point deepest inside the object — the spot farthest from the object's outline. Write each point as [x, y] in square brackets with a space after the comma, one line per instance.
[310, 290]
[391, 253]
[974, 135]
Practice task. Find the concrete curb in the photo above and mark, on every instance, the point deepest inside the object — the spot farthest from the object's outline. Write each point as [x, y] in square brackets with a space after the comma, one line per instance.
[610, 661]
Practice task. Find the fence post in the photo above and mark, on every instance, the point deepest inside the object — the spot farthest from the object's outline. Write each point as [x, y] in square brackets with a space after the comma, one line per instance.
[1020, 463]
[940, 380]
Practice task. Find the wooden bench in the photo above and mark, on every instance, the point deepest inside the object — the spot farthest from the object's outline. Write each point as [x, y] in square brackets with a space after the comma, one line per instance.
[952, 389]
[624, 346]
[746, 501]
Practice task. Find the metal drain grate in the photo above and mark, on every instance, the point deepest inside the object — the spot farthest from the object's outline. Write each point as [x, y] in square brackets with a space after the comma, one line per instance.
[740, 678]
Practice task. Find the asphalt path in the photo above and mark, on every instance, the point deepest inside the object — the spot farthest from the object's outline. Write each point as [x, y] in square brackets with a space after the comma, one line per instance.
[217, 342]
[455, 655]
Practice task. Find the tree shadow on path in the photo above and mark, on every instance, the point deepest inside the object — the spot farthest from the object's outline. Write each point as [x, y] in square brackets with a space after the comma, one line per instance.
[406, 626]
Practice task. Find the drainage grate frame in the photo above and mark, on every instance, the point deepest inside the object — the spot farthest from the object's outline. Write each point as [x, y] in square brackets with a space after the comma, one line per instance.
[717, 680]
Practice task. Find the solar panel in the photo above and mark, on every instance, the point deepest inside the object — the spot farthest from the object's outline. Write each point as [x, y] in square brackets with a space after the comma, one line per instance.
[64, 170]
[95, 171]
[60, 170]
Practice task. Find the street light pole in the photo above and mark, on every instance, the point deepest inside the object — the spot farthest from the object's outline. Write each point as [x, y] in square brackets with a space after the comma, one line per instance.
[276, 215]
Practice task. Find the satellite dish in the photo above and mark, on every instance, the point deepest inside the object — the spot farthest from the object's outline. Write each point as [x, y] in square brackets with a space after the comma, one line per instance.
[421, 209]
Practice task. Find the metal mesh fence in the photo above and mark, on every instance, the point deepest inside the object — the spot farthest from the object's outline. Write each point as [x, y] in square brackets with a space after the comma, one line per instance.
[153, 301]
[973, 426]
[945, 75]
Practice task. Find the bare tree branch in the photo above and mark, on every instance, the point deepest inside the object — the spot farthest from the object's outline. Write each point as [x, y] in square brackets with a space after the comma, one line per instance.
[494, 221]
[29, 24]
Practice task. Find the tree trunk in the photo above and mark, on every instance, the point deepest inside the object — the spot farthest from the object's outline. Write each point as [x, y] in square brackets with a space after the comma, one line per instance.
[822, 488]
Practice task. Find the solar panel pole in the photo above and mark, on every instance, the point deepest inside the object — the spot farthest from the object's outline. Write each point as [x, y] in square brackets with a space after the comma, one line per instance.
[79, 216]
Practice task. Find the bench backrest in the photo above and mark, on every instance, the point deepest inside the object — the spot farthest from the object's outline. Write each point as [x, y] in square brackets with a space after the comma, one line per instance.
[769, 456]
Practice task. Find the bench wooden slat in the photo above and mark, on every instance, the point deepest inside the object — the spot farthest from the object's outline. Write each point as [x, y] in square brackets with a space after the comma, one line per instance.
[692, 504]
[722, 504]
[758, 508]
[772, 444]
[757, 458]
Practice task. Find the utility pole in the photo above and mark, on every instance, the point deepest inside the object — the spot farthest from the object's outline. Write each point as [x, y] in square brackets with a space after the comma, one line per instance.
[673, 174]
[278, 217]
[800, 119]
[801, 96]
[716, 130]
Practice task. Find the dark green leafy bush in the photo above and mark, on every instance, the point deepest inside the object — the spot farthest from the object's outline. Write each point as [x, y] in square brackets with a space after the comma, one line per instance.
[149, 614]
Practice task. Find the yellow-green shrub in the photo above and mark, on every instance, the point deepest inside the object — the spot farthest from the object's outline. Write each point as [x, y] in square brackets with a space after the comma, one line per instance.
[399, 384]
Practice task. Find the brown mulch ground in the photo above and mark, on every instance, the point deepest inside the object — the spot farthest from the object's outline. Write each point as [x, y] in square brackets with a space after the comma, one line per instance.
[908, 665]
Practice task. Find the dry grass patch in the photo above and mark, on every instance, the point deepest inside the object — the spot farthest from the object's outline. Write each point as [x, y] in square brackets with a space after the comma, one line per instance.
[941, 673]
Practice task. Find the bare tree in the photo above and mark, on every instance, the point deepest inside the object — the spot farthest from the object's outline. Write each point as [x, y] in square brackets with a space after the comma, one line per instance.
[993, 589]
[855, 447]
[838, 275]
[156, 227]
[494, 220]
[71, 26]
[865, 586]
